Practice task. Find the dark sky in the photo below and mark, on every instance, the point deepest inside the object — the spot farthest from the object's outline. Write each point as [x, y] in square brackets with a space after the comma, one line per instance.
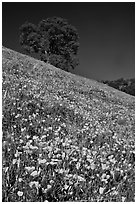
[106, 30]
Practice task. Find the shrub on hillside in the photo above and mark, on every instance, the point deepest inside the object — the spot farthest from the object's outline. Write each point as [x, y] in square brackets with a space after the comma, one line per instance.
[125, 85]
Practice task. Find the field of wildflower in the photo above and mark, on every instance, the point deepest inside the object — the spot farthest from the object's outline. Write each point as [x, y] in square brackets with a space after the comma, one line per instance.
[65, 138]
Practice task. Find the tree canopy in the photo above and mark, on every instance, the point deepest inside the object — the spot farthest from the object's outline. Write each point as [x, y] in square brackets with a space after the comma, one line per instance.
[54, 39]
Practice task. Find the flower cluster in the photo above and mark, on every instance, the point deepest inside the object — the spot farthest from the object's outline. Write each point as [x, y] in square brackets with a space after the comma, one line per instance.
[68, 140]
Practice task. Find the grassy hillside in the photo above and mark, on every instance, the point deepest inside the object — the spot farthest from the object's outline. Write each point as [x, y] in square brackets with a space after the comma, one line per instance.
[65, 137]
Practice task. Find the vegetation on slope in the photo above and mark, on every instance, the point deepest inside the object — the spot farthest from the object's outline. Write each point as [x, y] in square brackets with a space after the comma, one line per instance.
[125, 85]
[65, 138]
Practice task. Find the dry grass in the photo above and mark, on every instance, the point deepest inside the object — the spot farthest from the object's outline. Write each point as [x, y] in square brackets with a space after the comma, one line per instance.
[65, 138]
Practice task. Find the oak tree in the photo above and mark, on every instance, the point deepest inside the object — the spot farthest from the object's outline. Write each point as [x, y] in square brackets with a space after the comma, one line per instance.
[54, 39]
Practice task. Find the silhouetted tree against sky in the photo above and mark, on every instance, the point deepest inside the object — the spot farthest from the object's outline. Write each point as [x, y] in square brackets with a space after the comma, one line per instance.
[54, 39]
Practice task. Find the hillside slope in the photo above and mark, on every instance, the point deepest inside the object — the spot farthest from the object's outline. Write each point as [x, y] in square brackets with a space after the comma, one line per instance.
[65, 137]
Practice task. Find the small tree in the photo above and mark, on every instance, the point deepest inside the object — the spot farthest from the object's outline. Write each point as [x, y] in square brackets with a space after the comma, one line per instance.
[54, 40]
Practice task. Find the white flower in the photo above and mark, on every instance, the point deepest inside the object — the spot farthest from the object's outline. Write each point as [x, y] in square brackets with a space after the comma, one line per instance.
[108, 176]
[28, 136]
[34, 173]
[6, 169]
[55, 160]
[113, 160]
[84, 152]
[69, 175]
[94, 152]
[14, 161]
[87, 167]
[78, 165]
[79, 178]
[123, 198]
[58, 155]
[49, 186]
[43, 120]
[63, 144]
[101, 190]
[18, 162]
[74, 159]
[115, 192]
[50, 128]
[17, 153]
[43, 136]
[20, 193]
[50, 149]
[22, 129]
[66, 187]
[61, 171]
[42, 161]
[92, 166]
[110, 157]
[88, 157]
[52, 163]
[21, 141]
[28, 151]
[63, 155]
[104, 166]
[29, 168]
[51, 181]
[20, 179]
[33, 147]
[112, 172]
[35, 137]
[103, 176]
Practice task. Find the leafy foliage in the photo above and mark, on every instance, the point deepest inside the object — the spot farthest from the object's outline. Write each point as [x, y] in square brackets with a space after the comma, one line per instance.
[54, 40]
[125, 85]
